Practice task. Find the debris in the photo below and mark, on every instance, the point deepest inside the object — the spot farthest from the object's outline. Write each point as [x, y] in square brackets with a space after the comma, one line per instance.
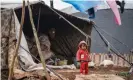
[62, 67]
[91, 64]
[107, 63]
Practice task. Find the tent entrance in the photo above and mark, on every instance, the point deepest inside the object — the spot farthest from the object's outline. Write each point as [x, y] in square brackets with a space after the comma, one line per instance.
[66, 37]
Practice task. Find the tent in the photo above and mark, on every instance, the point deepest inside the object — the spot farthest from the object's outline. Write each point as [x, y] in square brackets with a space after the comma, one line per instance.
[65, 42]
[105, 21]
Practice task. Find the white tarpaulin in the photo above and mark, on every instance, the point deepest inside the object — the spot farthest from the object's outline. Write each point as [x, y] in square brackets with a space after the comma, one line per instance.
[26, 61]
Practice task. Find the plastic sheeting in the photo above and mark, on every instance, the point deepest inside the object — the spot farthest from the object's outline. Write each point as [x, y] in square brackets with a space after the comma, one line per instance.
[26, 61]
[66, 37]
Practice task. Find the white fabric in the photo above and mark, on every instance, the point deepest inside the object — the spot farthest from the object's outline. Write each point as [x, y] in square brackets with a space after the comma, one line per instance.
[106, 63]
[131, 70]
[25, 57]
[62, 67]
[91, 64]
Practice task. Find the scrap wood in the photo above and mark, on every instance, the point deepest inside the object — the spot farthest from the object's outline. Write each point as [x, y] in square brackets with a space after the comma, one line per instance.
[38, 74]
[19, 74]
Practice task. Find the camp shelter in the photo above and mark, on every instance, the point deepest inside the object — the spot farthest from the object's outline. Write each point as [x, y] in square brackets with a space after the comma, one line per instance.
[105, 20]
[66, 39]
[119, 36]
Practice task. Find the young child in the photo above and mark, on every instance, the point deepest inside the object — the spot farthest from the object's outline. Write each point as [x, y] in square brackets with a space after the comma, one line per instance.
[83, 57]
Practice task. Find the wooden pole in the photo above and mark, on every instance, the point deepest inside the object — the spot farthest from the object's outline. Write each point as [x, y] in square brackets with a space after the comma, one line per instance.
[17, 45]
[36, 39]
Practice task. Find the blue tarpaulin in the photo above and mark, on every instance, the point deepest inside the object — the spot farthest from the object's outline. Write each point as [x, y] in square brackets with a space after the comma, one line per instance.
[83, 5]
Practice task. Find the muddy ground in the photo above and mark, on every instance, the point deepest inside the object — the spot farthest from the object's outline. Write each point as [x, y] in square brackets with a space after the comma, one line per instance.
[71, 74]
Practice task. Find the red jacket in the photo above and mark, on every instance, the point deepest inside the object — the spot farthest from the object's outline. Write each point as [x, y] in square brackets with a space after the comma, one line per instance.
[82, 54]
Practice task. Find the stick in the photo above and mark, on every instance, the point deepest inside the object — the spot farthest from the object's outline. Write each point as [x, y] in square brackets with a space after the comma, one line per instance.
[17, 45]
[36, 39]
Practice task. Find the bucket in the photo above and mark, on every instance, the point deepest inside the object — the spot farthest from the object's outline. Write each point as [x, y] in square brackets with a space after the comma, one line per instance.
[62, 62]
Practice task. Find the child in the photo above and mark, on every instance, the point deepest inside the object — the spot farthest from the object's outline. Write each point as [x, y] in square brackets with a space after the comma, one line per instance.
[83, 57]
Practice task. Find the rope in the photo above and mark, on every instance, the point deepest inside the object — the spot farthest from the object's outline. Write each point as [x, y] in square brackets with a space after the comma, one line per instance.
[69, 22]
[107, 42]
[111, 36]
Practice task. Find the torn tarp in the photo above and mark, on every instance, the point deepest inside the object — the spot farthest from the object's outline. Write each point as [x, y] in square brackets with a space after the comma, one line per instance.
[26, 61]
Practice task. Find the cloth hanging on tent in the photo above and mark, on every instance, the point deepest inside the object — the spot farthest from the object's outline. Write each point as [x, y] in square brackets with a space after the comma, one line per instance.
[91, 13]
[121, 4]
[114, 8]
[85, 6]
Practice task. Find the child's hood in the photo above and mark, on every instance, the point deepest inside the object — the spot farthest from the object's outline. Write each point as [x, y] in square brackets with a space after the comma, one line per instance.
[82, 42]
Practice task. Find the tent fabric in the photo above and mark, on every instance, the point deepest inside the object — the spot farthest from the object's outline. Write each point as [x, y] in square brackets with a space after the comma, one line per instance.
[8, 39]
[66, 37]
[25, 58]
[65, 42]
[5, 28]
[10, 31]
[122, 33]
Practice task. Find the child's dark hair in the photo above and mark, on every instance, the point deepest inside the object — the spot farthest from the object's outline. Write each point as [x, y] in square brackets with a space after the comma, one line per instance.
[82, 44]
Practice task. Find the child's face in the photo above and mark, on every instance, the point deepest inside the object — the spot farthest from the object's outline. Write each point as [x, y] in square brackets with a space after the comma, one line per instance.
[83, 46]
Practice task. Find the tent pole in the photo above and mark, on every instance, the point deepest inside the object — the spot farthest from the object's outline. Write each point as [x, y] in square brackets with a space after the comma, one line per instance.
[70, 23]
[36, 39]
[17, 45]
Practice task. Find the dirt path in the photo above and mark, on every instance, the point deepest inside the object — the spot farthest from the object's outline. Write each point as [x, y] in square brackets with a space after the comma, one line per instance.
[93, 73]
[98, 77]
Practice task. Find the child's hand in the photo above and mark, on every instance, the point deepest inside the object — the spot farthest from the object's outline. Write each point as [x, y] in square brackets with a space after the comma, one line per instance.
[90, 60]
[79, 61]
